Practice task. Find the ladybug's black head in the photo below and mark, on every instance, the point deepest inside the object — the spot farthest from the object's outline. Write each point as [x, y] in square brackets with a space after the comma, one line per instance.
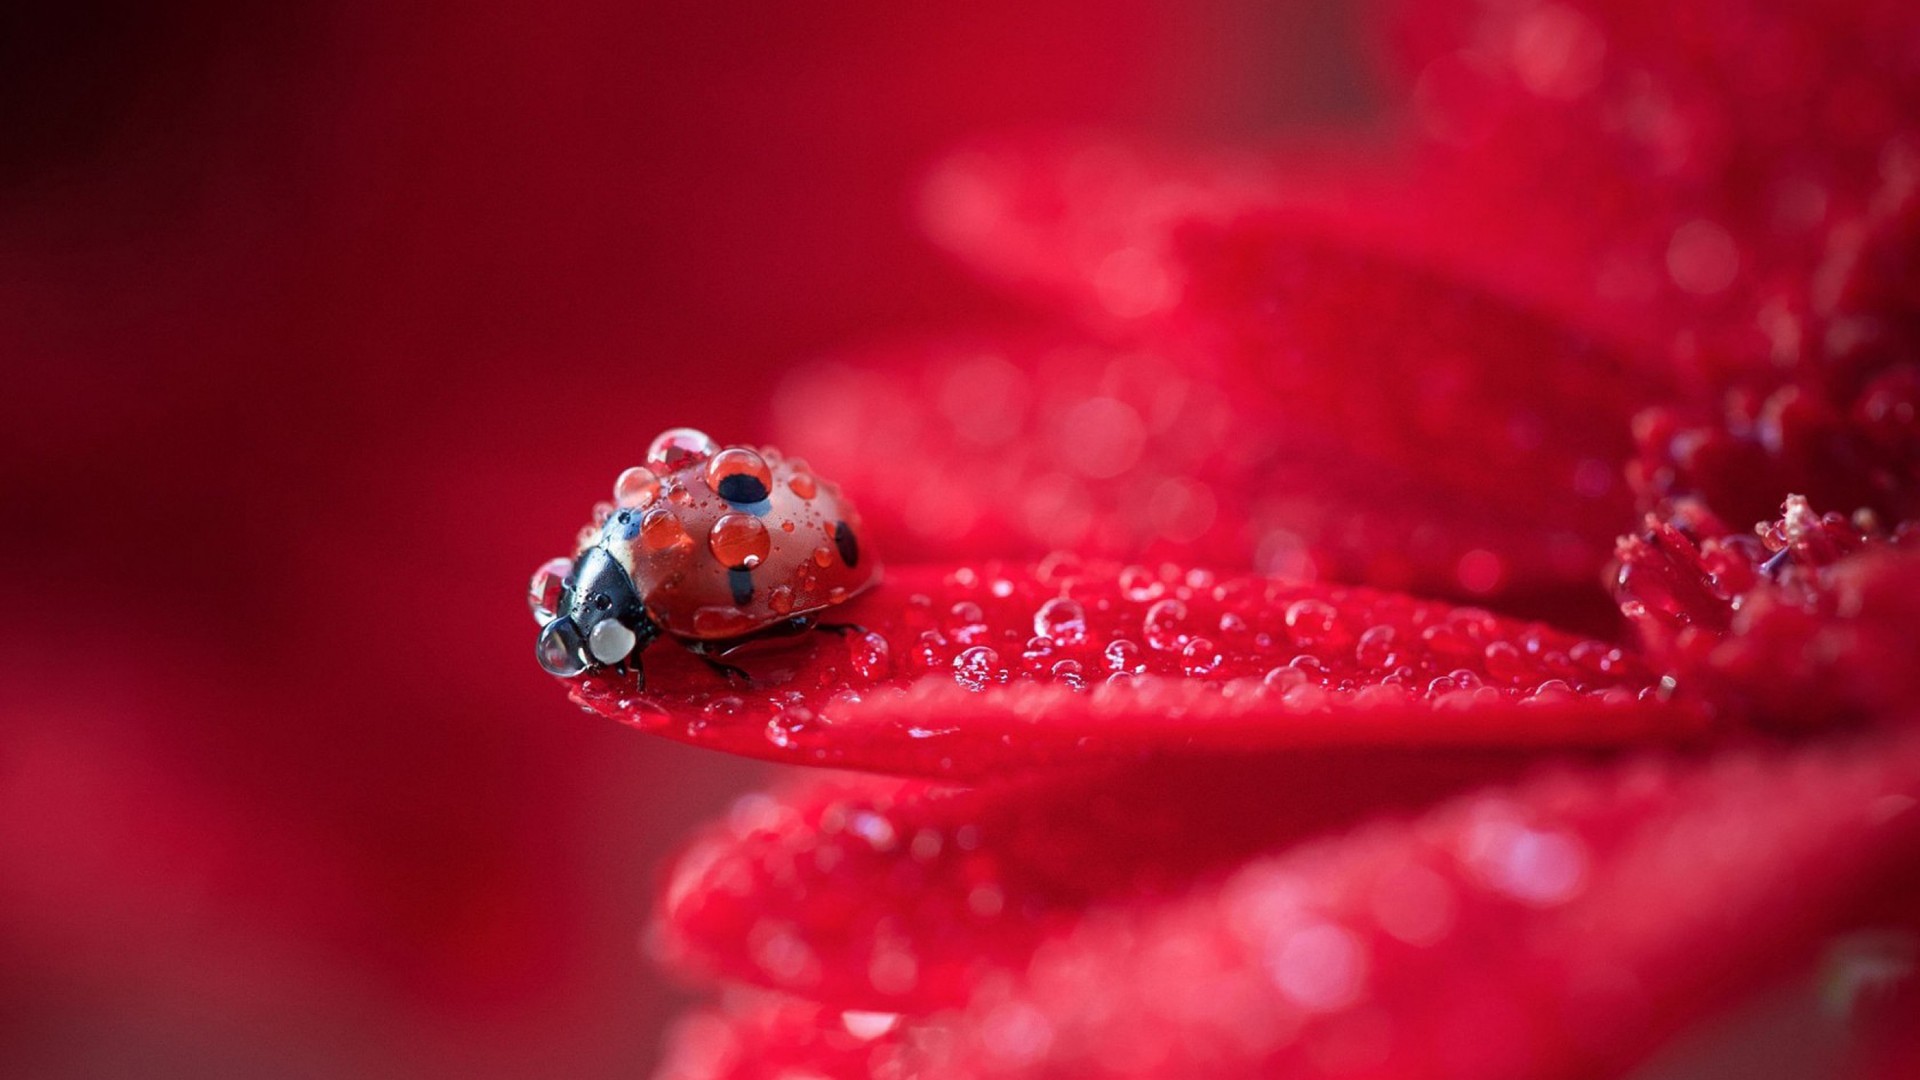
[600, 621]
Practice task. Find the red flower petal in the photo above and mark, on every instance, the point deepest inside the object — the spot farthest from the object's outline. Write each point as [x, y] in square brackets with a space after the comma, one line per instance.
[1808, 624]
[962, 672]
[1393, 382]
[762, 1037]
[1834, 418]
[1089, 225]
[1689, 161]
[1093, 226]
[1564, 929]
[900, 896]
[1317, 411]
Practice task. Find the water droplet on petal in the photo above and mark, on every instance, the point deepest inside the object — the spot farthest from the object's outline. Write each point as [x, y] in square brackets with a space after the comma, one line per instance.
[1162, 625]
[869, 654]
[1375, 647]
[636, 488]
[544, 592]
[676, 448]
[1200, 657]
[974, 668]
[1311, 621]
[1062, 620]
[1282, 679]
[1123, 658]
[1137, 583]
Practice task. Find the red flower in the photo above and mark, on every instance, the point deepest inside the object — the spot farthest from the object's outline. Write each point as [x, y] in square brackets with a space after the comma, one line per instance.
[1174, 804]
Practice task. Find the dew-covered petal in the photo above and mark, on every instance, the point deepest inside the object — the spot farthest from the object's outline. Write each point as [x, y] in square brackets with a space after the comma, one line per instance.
[1805, 624]
[901, 896]
[1563, 928]
[959, 672]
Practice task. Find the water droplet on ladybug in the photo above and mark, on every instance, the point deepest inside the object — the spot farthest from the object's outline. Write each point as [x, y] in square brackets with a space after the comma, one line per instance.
[780, 599]
[823, 556]
[739, 540]
[661, 530]
[676, 448]
[544, 592]
[802, 485]
[559, 649]
[636, 488]
[739, 476]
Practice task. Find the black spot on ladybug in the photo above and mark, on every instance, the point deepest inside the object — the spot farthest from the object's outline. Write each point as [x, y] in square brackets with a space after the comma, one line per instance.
[740, 579]
[849, 547]
[743, 489]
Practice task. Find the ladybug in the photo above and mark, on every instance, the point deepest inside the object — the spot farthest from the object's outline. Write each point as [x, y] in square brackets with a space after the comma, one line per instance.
[709, 546]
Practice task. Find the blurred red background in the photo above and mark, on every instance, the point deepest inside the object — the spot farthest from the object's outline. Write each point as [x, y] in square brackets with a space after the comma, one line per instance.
[324, 324]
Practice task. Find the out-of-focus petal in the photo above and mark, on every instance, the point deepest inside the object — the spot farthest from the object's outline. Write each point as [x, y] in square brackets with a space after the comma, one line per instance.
[1561, 929]
[765, 1037]
[1088, 224]
[1689, 161]
[1835, 415]
[965, 671]
[1318, 410]
[901, 896]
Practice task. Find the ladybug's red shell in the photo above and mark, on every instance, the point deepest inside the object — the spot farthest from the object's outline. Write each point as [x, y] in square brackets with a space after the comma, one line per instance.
[712, 568]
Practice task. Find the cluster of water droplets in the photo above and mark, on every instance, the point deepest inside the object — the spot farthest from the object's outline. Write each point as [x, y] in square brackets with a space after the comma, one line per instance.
[1249, 634]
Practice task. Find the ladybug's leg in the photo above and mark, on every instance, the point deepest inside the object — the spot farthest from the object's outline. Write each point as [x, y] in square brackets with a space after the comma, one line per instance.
[705, 652]
[727, 671]
[793, 627]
